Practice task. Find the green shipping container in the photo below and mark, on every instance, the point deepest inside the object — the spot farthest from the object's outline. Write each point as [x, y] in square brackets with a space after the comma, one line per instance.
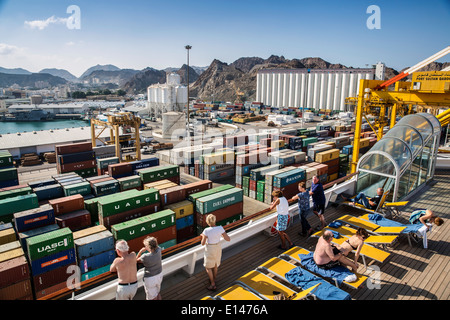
[260, 186]
[144, 225]
[6, 159]
[126, 201]
[131, 182]
[15, 193]
[219, 200]
[222, 222]
[193, 197]
[91, 206]
[83, 188]
[19, 203]
[8, 174]
[168, 244]
[49, 243]
[260, 196]
[158, 173]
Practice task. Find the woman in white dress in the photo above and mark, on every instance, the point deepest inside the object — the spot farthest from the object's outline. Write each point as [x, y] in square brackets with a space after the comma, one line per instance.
[282, 205]
[213, 251]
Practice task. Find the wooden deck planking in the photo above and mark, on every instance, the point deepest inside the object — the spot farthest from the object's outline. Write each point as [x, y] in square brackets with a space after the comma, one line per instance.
[409, 273]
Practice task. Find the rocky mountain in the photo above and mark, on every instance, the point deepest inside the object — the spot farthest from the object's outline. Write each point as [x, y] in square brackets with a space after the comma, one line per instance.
[107, 67]
[118, 77]
[14, 71]
[193, 76]
[141, 80]
[60, 73]
[34, 80]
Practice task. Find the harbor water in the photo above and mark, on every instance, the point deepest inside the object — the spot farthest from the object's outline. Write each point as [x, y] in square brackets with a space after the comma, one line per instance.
[14, 127]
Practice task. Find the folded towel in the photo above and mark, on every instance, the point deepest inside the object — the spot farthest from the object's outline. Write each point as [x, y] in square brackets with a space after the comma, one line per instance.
[325, 291]
[335, 224]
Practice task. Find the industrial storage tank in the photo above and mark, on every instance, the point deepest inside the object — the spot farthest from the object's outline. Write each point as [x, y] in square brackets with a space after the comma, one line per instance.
[182, 94]
[173, 79]
[173, 125]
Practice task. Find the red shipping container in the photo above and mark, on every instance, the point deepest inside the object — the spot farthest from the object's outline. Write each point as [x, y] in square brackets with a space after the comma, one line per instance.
[67, 204]
[197, 187]
[14, 270]
[321, 169]
[69, 167]
[220, 214]
[47, 291]
[92, 183]
[129, 215]
[288, 191]
[16, 291]
[186, 234]
[51, 278]
[14, 187]
[252, 185]
[161, 236]
[119, 169]
[73, 148]
[74, 220]
[172, 195]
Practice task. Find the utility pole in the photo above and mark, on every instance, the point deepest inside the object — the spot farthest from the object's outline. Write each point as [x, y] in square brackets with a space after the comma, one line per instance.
[188, 133]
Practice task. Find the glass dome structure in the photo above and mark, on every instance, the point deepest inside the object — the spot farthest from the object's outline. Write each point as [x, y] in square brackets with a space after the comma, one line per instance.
[403, 160]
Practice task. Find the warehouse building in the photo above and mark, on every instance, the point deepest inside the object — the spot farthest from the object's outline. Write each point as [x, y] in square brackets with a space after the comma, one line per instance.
[312, 88]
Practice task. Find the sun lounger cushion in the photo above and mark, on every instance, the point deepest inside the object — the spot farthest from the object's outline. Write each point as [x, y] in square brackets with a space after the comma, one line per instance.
[335, 224]
[382, 221]
[338, 273]
[304, 279]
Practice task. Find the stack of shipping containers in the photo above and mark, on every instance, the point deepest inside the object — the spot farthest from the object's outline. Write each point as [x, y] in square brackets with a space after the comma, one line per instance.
[8, 173]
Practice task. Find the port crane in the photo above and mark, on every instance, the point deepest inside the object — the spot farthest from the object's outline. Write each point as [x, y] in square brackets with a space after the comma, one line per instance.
[130, 125]
[427, 90]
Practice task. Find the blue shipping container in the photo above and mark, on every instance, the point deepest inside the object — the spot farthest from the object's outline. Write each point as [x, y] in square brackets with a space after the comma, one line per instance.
[290, 177]
[185, 222]
[97, 261]
[94, 244]
[146, 163]
[34, 232]
[49, 192]
[42, 183]
[53, 261]
[34, 218]
[76, 157]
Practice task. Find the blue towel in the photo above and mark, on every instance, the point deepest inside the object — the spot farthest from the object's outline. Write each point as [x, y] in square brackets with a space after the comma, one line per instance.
[382, 221]
[304, 279]
[335, 224]
[338, 273]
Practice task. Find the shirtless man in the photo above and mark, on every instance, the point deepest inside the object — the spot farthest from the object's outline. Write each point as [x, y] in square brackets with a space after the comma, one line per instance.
[327, 256]
[126, 268]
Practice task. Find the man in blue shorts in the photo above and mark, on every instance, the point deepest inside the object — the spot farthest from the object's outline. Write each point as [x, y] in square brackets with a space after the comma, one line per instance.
[318, 197]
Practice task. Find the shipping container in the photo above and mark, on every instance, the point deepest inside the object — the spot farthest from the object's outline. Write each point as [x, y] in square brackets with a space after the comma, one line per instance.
[143, 225]
[34, 218]
[94, 273]
[129, 215]
[105, 162]
[51, 278]
[131, 182]
[145, 163]
[181, 209]
[199, 229]
[73, 148]
[8, 173]
[221, 214]
[74, 220]
[184, 222]
[162, 236]
[53, 261]
[287, 178]
[88, 231]
[12, 205]
[76, 157]
[97, 261]
[49, 243]
[172, 195]
[125, 201]
[186, 233]
[41, 183]
[120, 170]
[7, 235]
[76, 166]
[16, 291]
[94, 244]
[105, 187]
[196, 187]
[83, 188]
[67, 204]
[23, 236]
[219, 200]
[13, 271]
[158, 173]
[193, 197]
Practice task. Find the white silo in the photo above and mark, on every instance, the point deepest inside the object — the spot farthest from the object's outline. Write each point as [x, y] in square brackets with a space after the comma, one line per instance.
[323, 90]
[274, 89]
[344, 91]
[173, 125]
[182, 95]
[337, 90]
[173, 79]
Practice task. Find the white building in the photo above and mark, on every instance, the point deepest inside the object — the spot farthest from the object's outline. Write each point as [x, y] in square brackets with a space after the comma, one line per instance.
[311, 88]
[54, 108]
[168, 97]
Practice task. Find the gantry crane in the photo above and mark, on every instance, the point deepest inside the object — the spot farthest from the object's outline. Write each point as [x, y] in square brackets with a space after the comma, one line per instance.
[427, 90]
[125, 120]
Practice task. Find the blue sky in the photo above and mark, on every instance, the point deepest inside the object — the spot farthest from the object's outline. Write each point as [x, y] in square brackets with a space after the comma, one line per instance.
[146, 33]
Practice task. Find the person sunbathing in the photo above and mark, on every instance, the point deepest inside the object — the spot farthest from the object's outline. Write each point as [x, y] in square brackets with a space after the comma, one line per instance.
[355, 242]
[369, 203]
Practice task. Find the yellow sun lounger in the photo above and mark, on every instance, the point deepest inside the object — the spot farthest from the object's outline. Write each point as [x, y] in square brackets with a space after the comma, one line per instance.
[366, 251]
[369, 226]
[279, 268]
[268, 288]
[237, 292]
[348, 232]
[295, 251]
[360, 206]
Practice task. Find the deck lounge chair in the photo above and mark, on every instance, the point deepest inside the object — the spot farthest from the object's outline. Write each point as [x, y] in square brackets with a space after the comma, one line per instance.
[237, 292]
[303, 279]
[294, 253]
[268, 288]
[411, 230]
[360, 206]
[369, 226]
[339, 228]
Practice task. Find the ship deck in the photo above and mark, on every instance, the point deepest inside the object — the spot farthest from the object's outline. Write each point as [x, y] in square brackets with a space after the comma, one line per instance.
[409, 273]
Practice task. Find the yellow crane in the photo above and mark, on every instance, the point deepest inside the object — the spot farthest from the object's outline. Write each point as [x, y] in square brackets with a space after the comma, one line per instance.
[427, 90]
[125, 120]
